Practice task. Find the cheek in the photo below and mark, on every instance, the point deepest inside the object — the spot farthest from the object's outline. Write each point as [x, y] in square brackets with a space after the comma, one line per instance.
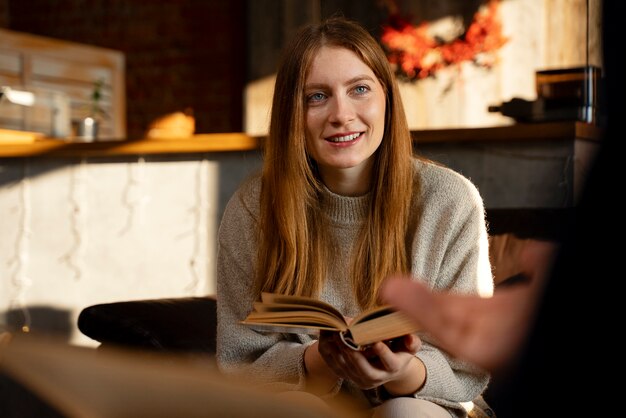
[313, 122]
[375, 114]
[314, 129]
[311, 133]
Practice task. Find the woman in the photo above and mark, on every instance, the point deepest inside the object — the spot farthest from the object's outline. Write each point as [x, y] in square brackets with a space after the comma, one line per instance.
[340, 205]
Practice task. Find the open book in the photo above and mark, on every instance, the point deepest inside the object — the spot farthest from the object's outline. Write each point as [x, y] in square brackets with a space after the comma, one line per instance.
[304, 315]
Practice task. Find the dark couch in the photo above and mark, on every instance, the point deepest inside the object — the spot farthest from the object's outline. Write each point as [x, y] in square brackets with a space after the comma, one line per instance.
[185, 325]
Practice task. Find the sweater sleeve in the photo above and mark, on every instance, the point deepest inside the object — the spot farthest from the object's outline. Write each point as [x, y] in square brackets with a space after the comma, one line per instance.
[266, 358]
[450, 252]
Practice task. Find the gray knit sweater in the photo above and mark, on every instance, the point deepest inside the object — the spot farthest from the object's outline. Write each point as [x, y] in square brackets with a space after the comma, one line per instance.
[449, 250]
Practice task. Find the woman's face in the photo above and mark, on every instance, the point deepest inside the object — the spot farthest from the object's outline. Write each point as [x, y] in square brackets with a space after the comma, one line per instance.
[345, 113]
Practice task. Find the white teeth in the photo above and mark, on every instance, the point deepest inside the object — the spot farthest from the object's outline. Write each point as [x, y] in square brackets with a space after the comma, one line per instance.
[344, 138]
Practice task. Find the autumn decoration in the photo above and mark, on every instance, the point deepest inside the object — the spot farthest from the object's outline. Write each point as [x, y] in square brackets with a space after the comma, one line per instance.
[416, 54]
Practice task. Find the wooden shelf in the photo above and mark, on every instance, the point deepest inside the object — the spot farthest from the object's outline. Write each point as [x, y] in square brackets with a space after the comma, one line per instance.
[201, 143]
[518, 132]
[224, 142]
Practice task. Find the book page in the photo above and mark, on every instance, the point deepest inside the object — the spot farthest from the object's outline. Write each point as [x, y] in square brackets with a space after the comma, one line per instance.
[304, 315]
[290, 307]
[313, 330]
[300, 300]
[392, 325]
[304, 318]
[373, 313]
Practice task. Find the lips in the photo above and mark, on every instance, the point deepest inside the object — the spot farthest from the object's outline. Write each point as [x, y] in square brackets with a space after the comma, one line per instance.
[344, 137]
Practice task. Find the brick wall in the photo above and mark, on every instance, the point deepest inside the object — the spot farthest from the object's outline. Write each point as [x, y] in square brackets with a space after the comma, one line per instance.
[179, 53]
[4, 13]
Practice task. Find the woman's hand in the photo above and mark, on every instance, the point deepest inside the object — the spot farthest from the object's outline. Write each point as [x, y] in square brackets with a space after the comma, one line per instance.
[392, 364]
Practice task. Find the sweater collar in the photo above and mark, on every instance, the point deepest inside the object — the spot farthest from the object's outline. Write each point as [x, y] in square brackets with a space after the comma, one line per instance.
[344, 209]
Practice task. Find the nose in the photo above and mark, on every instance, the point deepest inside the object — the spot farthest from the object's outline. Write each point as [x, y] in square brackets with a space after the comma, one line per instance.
[341, 110]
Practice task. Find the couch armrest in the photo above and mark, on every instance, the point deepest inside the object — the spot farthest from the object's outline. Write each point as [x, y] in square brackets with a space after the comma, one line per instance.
[186, 324]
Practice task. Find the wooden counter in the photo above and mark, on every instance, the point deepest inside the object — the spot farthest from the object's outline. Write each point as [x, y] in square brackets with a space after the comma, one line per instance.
[519, 132]
[223, 142]
[524, 166]
[530, 176]
[200, 143]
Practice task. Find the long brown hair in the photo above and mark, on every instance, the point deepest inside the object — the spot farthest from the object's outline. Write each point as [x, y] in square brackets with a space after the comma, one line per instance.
[291, 256]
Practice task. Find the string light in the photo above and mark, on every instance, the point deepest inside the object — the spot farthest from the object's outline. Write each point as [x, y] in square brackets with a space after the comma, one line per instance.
[131, 198]
[19, 260]
[74, 255]
[200, 209]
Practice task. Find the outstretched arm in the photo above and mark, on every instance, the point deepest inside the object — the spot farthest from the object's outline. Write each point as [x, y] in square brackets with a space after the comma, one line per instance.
[485, 331]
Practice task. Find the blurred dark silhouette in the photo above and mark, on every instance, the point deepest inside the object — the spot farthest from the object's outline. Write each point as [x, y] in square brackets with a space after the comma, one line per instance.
[572, 349]
[43, 320]
[15, 400]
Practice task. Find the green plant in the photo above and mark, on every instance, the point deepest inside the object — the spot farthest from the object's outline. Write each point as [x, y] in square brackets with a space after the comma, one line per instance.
[96, 110]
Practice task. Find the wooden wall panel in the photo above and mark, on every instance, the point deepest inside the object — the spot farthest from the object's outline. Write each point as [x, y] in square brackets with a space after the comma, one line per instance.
[565, 33]
[594, 41]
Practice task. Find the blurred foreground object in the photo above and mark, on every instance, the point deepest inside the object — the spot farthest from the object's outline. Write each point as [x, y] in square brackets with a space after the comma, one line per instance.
[83, 382]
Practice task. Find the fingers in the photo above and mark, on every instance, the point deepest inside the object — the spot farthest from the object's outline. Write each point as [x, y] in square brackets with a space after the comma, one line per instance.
[412, 343]
[445, 316]
[344, 361]
[391, 364]
[414, 299]
[350, 364]
[331, 352]
[536, 258]
[370, 368]
[365, 372]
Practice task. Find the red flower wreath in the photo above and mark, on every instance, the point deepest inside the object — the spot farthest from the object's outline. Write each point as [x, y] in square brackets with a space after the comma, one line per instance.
[417, 55]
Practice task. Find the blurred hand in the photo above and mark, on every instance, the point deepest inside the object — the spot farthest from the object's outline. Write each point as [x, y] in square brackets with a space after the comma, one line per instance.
[485, 331]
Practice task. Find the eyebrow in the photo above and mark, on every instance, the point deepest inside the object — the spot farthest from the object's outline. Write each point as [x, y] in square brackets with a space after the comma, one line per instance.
[350, 81]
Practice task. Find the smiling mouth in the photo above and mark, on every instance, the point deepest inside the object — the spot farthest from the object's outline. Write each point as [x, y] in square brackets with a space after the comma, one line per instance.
[344, 138]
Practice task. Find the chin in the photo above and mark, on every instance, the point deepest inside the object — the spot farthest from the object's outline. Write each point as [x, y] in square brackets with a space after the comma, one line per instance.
[343, 165]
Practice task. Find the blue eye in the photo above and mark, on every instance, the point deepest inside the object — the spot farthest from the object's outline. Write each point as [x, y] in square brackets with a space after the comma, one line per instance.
[361, 89]
[316, 97]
